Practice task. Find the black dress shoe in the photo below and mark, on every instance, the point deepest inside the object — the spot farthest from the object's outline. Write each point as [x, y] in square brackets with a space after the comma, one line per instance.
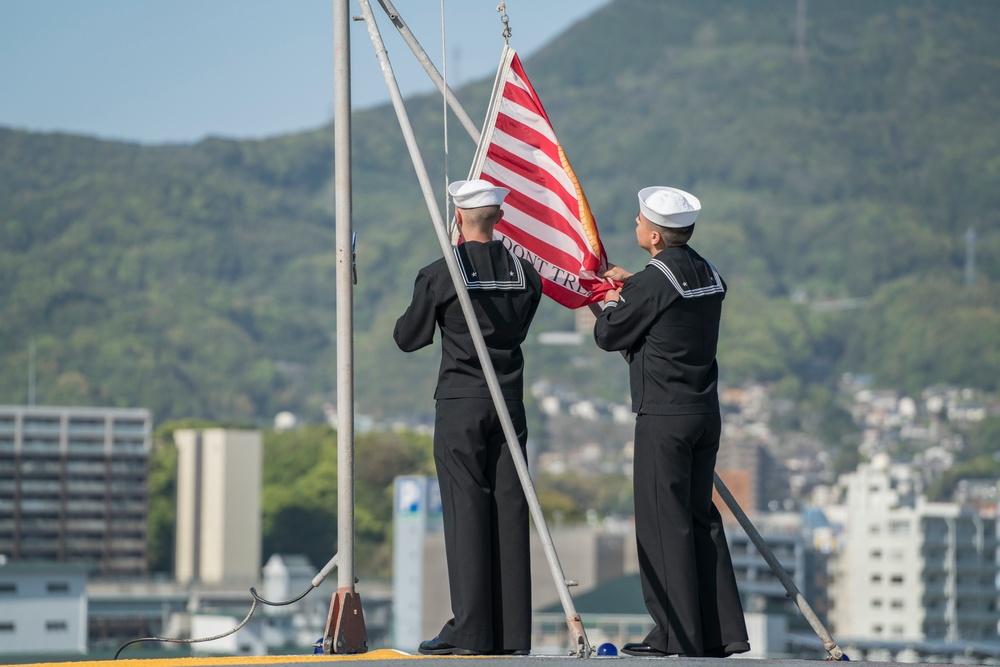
[513, 651]
[438, 646]
[644, 650]
[727, 650]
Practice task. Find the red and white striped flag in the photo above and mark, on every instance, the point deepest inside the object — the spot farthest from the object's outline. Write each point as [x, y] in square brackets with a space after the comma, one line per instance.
[547, 219]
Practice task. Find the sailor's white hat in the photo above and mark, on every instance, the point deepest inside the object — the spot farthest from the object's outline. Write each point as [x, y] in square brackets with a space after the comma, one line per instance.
[669, 207]
[476, 193]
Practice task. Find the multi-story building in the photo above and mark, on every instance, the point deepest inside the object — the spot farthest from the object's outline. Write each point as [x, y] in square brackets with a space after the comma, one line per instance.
[219, 477]
[43, 608]
[73, 487]
[909, 569]
[760, 588]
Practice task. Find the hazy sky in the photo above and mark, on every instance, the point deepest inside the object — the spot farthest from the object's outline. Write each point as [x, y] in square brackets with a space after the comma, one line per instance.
[179, 70]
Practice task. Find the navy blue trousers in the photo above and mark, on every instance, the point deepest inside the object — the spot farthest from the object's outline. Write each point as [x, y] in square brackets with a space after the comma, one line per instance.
[485, 518]
[686, 570]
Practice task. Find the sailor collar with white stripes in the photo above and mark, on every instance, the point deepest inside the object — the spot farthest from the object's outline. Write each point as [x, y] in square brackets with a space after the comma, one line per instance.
[683, 288]
[514, 280]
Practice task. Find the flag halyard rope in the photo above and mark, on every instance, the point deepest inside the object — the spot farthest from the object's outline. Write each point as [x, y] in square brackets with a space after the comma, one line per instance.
[444, 111]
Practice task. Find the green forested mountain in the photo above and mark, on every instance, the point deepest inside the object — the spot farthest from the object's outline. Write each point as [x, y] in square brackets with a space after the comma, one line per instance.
[846, 162]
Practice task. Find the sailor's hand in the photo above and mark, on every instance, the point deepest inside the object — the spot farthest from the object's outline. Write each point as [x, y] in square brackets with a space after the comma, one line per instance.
[612, 295]
[616, 273]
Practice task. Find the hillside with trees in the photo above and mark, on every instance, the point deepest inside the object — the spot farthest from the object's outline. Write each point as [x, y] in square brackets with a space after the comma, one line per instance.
[838, 165]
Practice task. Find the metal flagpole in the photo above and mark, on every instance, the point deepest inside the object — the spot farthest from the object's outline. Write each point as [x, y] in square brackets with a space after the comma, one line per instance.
[573, 621]
[345, 626]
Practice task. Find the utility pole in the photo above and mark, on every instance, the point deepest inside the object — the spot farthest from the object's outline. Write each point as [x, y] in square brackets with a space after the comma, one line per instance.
[970, 257]
[800, 35]
[31, 372]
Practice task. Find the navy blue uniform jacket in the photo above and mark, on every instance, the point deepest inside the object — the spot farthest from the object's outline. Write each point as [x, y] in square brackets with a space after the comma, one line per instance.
[505, 291]
[668, 325]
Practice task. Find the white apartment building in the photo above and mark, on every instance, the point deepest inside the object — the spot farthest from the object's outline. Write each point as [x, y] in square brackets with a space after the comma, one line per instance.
[73, 486]
[219, 477]
[43, 608]
[910, 570]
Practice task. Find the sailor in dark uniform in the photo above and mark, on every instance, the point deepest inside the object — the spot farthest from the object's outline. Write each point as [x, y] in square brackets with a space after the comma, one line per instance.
[485, 511]
[666, 320]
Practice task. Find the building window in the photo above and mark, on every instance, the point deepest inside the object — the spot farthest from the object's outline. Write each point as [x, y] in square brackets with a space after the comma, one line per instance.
[877, 603]
[934, 631]
[897, 631]
[55, 626]
[876, 554]
[896, 604]
[876, 578]
[896, 579]
[899, 527]
[875, 529]
[40, 423]
[130, 427]
[57, 587]
[6, 626]
[8, 588]
[877, 629]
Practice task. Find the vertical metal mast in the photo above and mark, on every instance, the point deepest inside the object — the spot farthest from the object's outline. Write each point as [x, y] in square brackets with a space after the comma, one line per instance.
[345, 293]
[345, 628]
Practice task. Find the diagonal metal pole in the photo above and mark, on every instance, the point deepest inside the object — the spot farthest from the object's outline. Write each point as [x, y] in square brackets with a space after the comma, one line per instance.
[428, 65]
[575, 625]
[834, 651]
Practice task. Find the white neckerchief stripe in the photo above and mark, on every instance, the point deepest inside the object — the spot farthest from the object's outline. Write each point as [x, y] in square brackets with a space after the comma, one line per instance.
[717, 288]
[518, 282]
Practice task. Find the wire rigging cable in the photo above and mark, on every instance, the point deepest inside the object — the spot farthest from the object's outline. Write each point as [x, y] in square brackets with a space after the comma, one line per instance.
[316, 581]
[172, 640]
[444, 109]
[253, 607]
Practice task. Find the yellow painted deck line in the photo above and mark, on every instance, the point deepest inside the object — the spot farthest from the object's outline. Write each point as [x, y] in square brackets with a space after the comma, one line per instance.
[378, 654]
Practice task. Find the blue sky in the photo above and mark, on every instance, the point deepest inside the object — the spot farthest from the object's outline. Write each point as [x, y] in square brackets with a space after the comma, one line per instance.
[160, 71]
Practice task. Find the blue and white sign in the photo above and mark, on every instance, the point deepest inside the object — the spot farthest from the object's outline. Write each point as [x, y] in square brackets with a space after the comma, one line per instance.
[410, 508]
[410, 492]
